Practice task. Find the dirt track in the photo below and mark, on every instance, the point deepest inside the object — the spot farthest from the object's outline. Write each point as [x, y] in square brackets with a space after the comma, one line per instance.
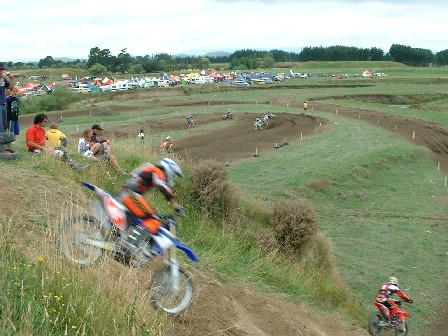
[239, 140]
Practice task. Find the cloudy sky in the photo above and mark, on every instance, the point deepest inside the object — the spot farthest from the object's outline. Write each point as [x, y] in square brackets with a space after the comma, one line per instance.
[31, 30]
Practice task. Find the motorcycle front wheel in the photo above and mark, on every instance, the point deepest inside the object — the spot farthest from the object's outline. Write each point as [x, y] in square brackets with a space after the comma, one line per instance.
[164, 294]
[402, 328]
[73, 237]
[375, 327]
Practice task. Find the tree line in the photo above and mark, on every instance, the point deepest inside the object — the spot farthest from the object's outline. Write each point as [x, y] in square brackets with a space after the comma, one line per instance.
[102, 62]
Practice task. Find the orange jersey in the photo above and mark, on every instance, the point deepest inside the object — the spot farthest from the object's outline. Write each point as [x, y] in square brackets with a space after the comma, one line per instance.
[146, 177]
[143, 179]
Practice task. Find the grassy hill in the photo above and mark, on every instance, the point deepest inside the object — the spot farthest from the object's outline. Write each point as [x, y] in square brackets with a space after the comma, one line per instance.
[399, 228]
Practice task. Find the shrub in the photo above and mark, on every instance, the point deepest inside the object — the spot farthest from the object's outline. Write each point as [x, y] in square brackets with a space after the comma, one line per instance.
[294, 223]
[319, 184]
[359, 173]
[60, 99]
[215, 195]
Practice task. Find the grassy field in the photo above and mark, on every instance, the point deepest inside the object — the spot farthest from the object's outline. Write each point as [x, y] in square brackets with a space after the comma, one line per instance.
[398, 228]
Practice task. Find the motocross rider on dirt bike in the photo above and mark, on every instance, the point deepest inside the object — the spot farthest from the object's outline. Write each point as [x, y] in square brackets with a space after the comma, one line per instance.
[384, 300]
[167, 143]
[143, 179]
[190, 121]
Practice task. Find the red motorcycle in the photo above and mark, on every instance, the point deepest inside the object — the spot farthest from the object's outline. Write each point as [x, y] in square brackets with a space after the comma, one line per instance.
[166, 146]
[398, 323]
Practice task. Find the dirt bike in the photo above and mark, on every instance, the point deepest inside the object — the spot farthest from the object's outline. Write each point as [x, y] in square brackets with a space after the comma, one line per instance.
[227, 116]
[166, 147]
[190, 121]
[265, 120]
[84, 239]
[378, 323]
[258, 126]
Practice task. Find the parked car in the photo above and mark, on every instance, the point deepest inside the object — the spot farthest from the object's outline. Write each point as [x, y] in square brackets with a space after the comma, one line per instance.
[242, 83]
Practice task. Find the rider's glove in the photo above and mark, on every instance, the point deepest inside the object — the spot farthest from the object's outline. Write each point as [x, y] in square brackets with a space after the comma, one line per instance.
[179, 210]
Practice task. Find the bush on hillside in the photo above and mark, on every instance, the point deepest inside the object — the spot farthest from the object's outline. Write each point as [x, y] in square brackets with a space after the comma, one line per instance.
[215, 195]
[60, 99]
[294, 223]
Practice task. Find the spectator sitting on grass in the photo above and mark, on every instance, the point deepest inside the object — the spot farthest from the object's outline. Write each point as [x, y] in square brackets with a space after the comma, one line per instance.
[55, 137]
[102, 150]
[84, 147]
[36, 137]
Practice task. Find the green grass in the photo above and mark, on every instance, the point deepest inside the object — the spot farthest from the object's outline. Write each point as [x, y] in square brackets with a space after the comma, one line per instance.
[398, 228]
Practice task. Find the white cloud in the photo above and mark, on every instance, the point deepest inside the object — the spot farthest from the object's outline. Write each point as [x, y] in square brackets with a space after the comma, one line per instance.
[67, 28]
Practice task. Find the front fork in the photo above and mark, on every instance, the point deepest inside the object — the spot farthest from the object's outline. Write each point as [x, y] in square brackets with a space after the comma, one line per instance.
[171, 260]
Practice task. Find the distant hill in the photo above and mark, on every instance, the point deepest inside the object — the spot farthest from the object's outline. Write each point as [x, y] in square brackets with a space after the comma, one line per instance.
[209, 54]
[217, 53]
[68, 59]
[205, 53]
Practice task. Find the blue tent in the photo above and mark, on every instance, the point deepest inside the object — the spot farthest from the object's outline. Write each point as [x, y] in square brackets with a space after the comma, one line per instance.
[164, 76]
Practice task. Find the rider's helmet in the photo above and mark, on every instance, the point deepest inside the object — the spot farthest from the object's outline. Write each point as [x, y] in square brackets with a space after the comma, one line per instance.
[258, 119]
[230, 110]
[171, 170]
[168, 138]
[393, 281]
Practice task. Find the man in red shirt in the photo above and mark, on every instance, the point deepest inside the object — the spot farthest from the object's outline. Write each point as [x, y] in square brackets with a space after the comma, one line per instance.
[35, 136]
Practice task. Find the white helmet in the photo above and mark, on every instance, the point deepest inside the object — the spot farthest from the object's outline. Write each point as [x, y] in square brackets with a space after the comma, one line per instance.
[171, 170]
[230, 110]
[393, 281]
[168, 138]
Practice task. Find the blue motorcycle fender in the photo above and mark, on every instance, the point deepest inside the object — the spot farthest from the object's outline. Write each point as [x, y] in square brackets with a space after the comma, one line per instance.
[181, 246]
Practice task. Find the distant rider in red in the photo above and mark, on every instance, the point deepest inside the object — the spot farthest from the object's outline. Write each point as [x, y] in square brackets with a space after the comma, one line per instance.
[384, 300]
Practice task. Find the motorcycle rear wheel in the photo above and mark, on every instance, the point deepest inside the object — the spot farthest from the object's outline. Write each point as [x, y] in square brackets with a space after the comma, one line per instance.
[375, 328]
[74, 231]
[165, 297]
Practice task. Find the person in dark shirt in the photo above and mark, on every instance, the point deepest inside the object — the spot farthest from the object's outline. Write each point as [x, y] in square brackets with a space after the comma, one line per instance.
[12, 108]
[5, 83]
[103, 150]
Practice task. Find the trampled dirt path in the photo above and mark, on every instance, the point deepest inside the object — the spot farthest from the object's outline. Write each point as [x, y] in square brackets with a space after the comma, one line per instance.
[237, 309]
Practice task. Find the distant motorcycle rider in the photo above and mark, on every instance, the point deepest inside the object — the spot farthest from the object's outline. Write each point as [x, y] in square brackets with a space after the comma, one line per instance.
[143, 179]
[189, 121]
[167, 143]
[384, 300]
